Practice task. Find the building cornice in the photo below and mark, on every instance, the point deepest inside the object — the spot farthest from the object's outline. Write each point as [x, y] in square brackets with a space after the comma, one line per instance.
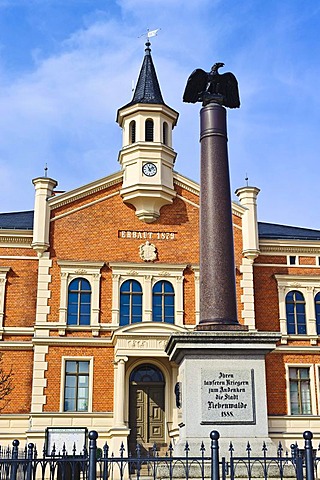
[84, 191]
[18, 238]
[293, 246]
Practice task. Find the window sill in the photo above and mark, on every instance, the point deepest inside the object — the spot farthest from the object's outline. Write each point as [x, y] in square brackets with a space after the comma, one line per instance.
[94, 329]
[313, 339]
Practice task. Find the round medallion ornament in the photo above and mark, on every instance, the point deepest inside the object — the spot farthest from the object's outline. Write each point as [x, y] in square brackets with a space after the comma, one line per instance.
[149, 169]
[148, 252]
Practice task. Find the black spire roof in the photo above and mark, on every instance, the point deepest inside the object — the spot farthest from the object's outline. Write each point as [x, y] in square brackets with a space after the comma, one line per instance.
[147, 89]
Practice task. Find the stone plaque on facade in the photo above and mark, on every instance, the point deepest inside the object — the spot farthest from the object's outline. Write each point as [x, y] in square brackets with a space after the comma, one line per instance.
[68, 438]
[227, 396]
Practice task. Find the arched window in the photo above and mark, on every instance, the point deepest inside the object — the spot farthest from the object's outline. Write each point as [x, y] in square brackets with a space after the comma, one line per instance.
[130, 302]
[149, 130]
[165, 133]
[79, 302]
[146, 374]
[132, 131]
[317, 308]
[296, 313]
[163, 302]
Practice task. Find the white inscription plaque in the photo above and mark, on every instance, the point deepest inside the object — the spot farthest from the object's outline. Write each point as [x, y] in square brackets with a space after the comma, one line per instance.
[227, 396]
[68, 438]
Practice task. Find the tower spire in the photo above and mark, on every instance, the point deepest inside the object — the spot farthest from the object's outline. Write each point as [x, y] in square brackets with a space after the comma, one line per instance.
[147, 89]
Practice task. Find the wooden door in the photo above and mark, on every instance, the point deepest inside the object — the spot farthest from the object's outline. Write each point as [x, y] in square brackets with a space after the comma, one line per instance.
[146, 415]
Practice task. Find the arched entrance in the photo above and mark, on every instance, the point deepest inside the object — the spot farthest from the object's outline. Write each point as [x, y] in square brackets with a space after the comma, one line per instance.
[146, 411]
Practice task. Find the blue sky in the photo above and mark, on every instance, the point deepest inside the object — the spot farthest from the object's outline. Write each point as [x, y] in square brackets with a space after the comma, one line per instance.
[66, 66]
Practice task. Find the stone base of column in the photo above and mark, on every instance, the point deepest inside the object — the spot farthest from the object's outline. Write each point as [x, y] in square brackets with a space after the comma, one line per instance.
[221, 327]
[223, 385]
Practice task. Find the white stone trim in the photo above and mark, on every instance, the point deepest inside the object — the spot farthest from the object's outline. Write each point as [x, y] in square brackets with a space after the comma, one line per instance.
[248, 199]
[309, 286]
[289, 429]
[119, 391]
[311, 367]
[39, 382]
[85, 190]
[78, 358]
[15, 238]
[91, 271]
[147, 275]
[3, 281]
[43, 191]
[196, 270]
[87, 205]
[247, 297]
[43, 291]
[17, 257]
[286, 247]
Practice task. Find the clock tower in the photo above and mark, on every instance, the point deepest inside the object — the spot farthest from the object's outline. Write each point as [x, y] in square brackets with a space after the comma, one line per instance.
[147, 156]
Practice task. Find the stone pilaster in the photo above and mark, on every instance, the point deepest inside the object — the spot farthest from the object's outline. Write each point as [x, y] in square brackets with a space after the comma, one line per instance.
[3, 280]
[248, 199]
[39, 382]
[43, 191]
[43, 291]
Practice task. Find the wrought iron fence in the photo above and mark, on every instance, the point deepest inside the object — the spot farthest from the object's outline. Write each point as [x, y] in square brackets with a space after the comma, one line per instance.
[96, 463]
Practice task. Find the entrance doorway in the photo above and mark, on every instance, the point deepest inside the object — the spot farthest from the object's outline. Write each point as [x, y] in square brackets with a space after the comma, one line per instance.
[146, 412]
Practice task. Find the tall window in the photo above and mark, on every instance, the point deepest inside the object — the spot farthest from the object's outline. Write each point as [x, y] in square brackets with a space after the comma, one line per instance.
[300, 398]
[130, 302]
[163, 302]
[132, 131]
[296, 313]
[165, 133]
[76, 390]
[317, 309]
[149, 130]
[79, 302]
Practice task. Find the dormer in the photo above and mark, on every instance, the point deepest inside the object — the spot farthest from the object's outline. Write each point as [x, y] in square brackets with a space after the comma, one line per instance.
[147, 156]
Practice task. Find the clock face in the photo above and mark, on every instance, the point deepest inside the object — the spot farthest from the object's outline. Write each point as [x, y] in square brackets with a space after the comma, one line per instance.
[149, 169]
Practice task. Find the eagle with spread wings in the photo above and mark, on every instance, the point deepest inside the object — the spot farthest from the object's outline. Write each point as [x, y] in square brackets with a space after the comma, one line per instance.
[212, 86]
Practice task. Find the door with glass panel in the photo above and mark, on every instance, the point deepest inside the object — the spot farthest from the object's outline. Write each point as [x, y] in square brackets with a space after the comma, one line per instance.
[146, 412]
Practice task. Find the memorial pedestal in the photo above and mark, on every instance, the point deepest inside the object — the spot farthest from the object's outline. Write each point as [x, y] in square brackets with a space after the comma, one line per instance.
[223, 387]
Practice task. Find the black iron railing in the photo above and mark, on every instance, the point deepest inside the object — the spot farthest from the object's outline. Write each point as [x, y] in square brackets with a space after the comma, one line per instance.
[97, 463]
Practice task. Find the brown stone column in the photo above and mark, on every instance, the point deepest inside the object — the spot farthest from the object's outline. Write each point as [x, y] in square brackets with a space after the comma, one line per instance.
[218, 308]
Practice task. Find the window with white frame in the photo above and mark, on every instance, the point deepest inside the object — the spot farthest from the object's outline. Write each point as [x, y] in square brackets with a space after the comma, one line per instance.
[299, 304]
[296, 313]
[130, 302]
[79, 302]
[163, 302]
[300, 391]
[76, 385]
[79, 293]
[160, 298]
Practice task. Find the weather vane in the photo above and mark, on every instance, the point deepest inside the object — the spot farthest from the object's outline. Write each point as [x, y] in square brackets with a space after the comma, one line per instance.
[150, 33]
[207, 87]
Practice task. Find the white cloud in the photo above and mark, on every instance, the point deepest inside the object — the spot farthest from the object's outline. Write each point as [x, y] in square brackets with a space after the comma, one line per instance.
[63, 112]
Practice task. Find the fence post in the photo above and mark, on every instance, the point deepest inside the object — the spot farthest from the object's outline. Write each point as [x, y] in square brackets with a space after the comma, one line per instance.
[14, 459]
[309, 455]
[93, 435]
[30, 461]
[214, 435]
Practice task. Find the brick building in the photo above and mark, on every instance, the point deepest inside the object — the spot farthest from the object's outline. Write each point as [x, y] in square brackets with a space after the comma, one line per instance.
[94, 281]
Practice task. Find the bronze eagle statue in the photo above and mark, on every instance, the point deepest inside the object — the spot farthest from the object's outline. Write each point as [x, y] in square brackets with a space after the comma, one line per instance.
[212, 86]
